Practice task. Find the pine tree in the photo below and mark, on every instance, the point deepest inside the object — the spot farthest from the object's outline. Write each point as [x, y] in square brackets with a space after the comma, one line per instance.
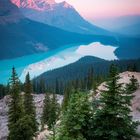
[8, 88]
[133, 85]
[57, 87]
[15, 107]
[66, 99]
[3, 91]
[29, 102]
[112, 121]
[76, 122]
[61, 88]
[23, 129]
[90, 79]
[40, 86]
[46, 110]
[54, 112]
[52, 136]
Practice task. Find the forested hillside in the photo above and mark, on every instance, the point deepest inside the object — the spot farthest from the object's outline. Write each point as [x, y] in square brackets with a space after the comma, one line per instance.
[79, 71]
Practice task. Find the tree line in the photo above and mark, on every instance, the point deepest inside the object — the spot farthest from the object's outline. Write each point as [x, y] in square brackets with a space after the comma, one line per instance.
[77, 73]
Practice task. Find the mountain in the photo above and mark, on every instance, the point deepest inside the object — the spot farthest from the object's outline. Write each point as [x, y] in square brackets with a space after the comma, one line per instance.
[79, 70]
[21, 36]
[39, 5]
[131, 30]
[28, 37]
[9, 12]
[127, 25]
[61, 15]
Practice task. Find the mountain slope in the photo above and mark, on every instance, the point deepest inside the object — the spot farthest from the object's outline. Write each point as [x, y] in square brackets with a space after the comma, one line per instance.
[28, 37]
[21, 36]
[127, 25]
[132, 30]
[79, 69]
[9, 12]
[61, 15]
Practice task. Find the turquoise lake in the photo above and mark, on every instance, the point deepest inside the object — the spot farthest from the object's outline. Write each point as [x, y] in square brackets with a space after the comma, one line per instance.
[37, 64]
[21, 62]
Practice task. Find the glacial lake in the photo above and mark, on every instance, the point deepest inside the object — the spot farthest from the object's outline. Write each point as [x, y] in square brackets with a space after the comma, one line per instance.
[37, 64]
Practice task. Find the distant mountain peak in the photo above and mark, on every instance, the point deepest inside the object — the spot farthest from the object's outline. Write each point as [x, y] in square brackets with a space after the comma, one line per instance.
[66, 5]
[40, 5]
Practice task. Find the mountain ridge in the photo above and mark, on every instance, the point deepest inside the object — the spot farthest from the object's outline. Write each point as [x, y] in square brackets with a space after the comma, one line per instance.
[21, 36]
[40, 5]
[61, 15]
[123, 24]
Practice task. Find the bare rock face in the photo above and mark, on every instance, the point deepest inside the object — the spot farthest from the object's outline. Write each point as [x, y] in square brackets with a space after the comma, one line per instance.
[4, 117]
[38, 99]
[39, 5]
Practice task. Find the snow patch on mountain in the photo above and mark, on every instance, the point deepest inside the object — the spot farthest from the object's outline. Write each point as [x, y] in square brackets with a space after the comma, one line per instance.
[39, 5]
[69, 56]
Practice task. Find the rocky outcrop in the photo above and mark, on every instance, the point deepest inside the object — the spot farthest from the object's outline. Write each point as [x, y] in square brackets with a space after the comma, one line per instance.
[4, 117]
[125, 78]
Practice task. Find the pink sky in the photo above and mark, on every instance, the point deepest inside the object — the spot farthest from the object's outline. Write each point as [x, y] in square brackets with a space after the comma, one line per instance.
[93, 9]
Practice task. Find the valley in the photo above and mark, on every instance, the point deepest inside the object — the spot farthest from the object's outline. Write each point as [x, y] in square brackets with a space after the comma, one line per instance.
[69, 70]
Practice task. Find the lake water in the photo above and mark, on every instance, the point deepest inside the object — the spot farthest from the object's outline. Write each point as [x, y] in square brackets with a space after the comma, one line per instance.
[36, 64]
